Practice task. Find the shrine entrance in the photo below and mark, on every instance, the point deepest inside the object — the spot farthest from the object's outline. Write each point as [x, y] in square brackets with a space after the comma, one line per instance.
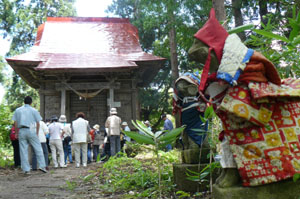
[94, 108]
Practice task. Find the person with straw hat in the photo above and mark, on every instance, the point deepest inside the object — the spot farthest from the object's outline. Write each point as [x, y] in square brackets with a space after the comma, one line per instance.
[66, 138]
[98, 141]
[113, 123]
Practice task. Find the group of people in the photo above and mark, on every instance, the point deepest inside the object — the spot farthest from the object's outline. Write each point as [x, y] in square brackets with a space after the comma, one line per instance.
[59, 137]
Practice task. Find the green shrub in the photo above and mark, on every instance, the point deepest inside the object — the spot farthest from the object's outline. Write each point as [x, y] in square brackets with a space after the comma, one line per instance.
[6, 156]
[5, 125]
[138, 176]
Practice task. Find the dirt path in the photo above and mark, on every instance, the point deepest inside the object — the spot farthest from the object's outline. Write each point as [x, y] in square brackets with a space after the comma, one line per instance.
[14, 184]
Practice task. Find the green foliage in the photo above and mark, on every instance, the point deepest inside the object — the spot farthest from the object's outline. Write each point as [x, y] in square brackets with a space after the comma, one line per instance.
[71, 185]
[6, 157]
[214, 125]
[2, 65]
[182, 194]
[17, 90]
[280, 43]
[296, 177]
[154, 21]
[241, 28]
[19, 21]
[137, 176]
[202, 175]
[132, 149]
[159, 140]
[5, 125]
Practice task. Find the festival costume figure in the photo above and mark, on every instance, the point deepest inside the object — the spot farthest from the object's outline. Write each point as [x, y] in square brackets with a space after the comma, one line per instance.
[260, 113]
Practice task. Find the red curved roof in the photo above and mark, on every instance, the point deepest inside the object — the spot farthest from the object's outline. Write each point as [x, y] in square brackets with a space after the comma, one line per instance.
[85, 42]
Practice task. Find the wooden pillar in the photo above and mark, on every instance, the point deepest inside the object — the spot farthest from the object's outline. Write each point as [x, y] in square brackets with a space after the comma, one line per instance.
[138, 105]
[134, 101]
[68, 106]
[42, 102]
[111, 98]
[63, 102]
[110, 102]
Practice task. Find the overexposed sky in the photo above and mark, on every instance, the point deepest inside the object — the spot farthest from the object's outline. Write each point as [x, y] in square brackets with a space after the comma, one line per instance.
[92, 8]
[85, 8]
[4, 43]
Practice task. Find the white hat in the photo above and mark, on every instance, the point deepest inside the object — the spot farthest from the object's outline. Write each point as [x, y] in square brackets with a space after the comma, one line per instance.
[124, 124]
[113, 111]
[62, 118]
[96, 126]
[147, 122]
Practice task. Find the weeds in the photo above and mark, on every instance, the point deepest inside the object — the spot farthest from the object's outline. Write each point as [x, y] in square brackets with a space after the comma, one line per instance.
[71, 185]
[134, 177]
[6, 157]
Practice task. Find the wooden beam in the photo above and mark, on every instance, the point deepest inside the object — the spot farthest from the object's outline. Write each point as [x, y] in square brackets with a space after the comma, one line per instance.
[42, 103]
[87, 86]
[63, 102]
[49, 92]
[134, 99]
[110, 101]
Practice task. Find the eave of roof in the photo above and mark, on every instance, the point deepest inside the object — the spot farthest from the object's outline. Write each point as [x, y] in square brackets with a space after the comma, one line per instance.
[72, 46]
[76, 43]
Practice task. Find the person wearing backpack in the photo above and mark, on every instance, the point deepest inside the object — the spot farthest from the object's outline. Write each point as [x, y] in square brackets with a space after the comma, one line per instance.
[67, 139]
[15, 144]
[98, 141]
[43, 131]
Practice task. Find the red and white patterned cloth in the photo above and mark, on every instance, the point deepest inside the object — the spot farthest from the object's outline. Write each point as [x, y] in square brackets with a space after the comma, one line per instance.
[262, 124]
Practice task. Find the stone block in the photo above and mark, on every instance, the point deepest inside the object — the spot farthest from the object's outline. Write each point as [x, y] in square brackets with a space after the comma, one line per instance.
[191, 156]
[179, 173]
[286, 189]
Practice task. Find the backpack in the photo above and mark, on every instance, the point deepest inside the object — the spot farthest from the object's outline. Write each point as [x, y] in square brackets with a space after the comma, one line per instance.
[67, 140]
[12, 135]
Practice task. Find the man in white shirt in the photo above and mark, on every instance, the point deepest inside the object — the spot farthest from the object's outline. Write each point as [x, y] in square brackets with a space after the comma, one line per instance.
[27, 123]
[67, 132]
[113, 123]
[55, 130]
[80, 130]
[43, 131]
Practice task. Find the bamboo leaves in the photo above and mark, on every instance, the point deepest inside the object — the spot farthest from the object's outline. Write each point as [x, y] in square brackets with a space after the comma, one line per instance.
[161, 138]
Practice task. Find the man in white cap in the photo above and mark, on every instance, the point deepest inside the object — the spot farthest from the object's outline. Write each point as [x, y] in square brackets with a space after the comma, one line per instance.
[124, 138]
[66, 128]
[147, 123]
[113, 123]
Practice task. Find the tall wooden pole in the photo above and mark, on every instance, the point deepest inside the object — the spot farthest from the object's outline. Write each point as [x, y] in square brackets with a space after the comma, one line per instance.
[219, 7]
[63, 102]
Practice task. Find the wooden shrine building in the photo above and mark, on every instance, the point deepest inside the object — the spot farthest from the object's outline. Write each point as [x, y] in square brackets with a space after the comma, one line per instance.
[89, 65]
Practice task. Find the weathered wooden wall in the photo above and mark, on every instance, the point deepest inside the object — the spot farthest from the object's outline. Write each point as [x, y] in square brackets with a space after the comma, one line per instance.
[96, 109]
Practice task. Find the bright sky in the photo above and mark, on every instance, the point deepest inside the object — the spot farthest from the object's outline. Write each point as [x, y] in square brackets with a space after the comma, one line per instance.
[4, 43]
[92, 8]
[85, 8]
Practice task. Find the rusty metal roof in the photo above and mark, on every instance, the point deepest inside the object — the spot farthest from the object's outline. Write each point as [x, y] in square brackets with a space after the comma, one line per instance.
[71, 43]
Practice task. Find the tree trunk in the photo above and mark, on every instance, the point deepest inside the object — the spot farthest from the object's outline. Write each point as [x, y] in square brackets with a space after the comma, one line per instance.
[263, 10]
[238, 17]
[173, 53]
[173, 49]
[219, 7]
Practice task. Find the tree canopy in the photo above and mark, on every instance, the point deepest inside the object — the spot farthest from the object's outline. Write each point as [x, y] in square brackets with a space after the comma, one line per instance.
[157, 21]
[19, 21]
[154, 22]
